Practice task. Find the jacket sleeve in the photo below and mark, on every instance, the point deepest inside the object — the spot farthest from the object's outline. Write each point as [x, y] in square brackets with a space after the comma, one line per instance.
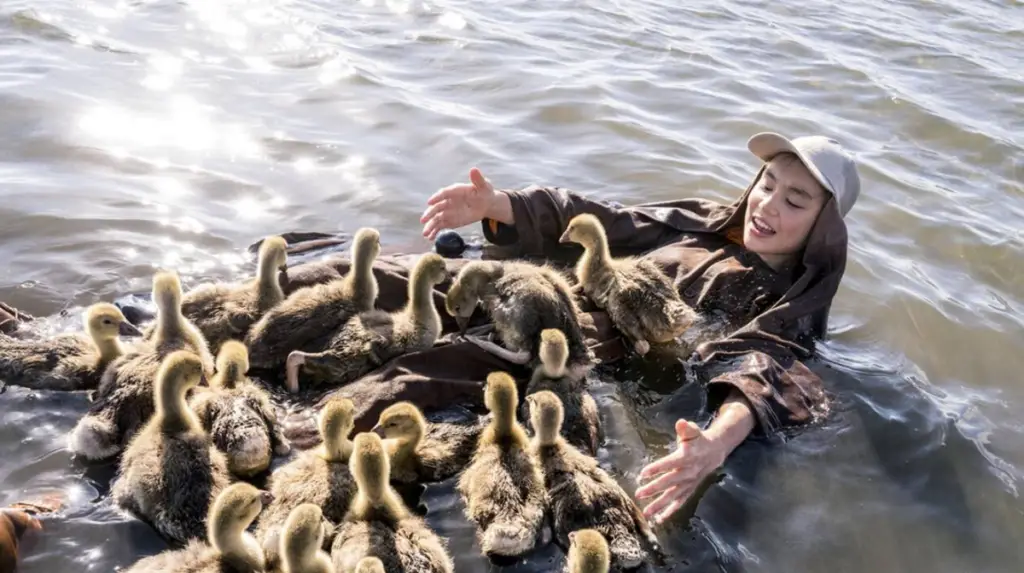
[542, 213]
[783, 392]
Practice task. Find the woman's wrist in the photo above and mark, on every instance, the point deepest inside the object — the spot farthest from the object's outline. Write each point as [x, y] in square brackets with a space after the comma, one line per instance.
[731, 426]
[500, 209]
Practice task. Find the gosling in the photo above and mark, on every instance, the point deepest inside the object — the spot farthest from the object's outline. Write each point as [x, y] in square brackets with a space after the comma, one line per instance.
[369, 339]
[582, 495]
[639, 298]
[228, 546]
[308, 318]
[238, 415]
[421, 451]
[68, 362]
[124, 399]
[170, 472]
[319, 476]
[379, 525]
[302, 541]
[582, 426]
[503, 487]
[522, 299]
[588, 552]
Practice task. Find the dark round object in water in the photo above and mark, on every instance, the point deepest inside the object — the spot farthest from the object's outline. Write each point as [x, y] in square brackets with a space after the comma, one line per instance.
[449, 244]
[135, 315]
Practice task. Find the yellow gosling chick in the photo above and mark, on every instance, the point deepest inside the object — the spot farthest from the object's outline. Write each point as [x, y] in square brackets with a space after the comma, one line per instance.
[641, 301]
[124, 399]
[170, 472]
[503, 486]
[302, 541]
[308, 318]
[74, 361]
[588, 552]
[238, 414]
[421, 451]
[582, 427]
[581, 495]
[319, 476]
[379, 525]
[228, 546]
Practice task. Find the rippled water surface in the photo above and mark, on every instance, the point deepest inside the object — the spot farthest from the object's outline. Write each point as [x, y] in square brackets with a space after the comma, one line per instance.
[173, 133]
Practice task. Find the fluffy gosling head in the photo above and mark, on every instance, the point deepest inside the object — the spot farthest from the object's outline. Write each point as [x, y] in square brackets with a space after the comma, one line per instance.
[167, 292]
[370, 565]
[466, 291]
[232, 364]
[501, 395]
[231, 513]
[546, 415]
[585, 229]
[366, 246]
[554, 352]
[588, 552]
[104, 321]
[431, 268]
[302, 539]
[337, 418]
[402, 422]
[273, 254]
[179, 372]
[370, 465]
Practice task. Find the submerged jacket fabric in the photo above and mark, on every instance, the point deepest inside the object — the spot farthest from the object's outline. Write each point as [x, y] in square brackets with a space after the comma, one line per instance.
[761, 323]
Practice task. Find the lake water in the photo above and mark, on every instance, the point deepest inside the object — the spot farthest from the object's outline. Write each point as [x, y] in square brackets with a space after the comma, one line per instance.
[153, 133]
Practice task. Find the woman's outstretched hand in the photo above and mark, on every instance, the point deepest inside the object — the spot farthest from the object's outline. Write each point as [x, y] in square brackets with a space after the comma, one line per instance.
[674, 478]
[699, 453]
[463, 204]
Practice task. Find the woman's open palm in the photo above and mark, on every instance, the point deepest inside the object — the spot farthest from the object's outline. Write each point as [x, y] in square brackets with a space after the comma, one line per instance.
[458, 205]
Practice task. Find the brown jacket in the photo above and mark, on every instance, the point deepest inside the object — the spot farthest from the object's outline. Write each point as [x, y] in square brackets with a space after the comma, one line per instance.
[767, 320]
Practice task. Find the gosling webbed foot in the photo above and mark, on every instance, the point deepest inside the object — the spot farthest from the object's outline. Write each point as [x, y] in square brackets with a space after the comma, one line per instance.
[521, 357]
[292, 365]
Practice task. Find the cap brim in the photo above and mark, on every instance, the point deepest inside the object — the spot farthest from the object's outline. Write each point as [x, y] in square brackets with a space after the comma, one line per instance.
[767, 145]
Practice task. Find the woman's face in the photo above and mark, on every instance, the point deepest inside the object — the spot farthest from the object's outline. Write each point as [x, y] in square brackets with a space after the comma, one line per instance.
[781, 210]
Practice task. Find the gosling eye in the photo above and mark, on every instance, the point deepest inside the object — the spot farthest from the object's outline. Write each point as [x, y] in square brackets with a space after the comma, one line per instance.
[107, 321]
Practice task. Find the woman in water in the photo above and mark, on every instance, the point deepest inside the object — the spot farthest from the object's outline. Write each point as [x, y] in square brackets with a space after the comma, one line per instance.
[772, 261]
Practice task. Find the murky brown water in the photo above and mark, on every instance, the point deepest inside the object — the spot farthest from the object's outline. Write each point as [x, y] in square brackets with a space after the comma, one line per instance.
[145, 133]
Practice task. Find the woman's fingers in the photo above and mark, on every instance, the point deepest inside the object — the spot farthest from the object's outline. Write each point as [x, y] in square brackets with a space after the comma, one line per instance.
[665, 481]
[669, 462]
[678, 501]
[663, 501]
[434, 209]
[432, 228]
[449, 192]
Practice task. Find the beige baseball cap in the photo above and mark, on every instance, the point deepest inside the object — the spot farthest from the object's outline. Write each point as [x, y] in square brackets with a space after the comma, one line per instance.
[825, 158]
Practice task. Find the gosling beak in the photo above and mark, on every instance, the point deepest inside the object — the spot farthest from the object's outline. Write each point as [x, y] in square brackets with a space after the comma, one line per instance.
[283, 268]
[379, 430]
[128, 329]
[463, 322]
[565, 237]
[266, 497]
